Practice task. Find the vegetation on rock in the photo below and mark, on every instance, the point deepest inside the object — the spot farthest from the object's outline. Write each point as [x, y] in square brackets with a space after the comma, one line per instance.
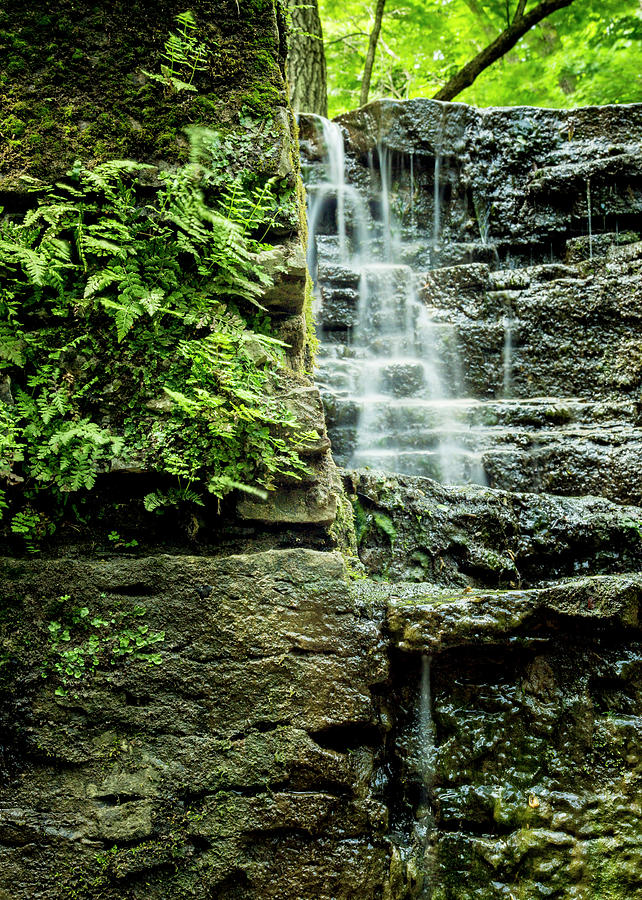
[132, 336]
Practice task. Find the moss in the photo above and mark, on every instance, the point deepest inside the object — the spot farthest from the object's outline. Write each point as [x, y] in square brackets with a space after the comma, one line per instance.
[609, 874]
[88, 98]
[311, 339]
[342, 531]
[260, 100]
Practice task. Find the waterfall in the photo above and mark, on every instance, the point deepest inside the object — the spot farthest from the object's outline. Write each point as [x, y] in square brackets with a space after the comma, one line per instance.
[589, 216]
[412, 189]
[426, 727]
[436, 224]
[349, 213]
[335, 184]
[394, 334]
[393, 369]
[426, 758]
[507, 381]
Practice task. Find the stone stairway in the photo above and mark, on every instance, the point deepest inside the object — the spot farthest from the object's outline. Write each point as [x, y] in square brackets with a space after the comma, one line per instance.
[535, 323]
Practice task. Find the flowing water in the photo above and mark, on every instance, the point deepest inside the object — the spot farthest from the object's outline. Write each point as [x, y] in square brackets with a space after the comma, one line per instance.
[589, 217]
[507, 381]
[426, 757]
[394, 373]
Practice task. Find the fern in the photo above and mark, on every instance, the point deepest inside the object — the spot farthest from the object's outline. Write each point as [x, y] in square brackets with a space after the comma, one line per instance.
[165, 288]
[102, 280]
[12, 347]
[160, 500]
[184, 54]
[125, 314]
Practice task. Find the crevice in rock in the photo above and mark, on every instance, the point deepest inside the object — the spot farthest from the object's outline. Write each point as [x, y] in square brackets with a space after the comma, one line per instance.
[346, 737]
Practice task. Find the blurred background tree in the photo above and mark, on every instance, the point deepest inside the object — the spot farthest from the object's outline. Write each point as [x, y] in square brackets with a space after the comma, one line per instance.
[588, 52]
[306, 59]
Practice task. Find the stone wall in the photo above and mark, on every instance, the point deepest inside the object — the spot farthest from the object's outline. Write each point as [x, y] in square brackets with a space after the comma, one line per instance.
[78, 85]
[533, 283]
[240, 765]
[277, 747]
[462, 723]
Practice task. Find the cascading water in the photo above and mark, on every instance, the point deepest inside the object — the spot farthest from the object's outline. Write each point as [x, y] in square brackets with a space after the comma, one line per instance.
[388, 375]
[508, 355]
[426, 759]
[331, 198]
[589, 217]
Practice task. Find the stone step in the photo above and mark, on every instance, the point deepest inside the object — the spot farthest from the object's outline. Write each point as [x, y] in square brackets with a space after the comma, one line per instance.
[559, 447]
[473, 535]
[543, 329]
[427, 618]
[535, 413]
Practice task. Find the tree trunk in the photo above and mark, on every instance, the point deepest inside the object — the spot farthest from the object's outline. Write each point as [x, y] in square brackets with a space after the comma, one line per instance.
[370, 55]
[500, 46]
[306, 60]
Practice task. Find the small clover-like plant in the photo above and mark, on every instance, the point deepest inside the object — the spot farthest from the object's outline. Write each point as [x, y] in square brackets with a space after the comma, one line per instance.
[80, 643]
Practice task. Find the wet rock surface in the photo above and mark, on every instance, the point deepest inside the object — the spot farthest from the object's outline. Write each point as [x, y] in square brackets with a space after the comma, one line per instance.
[277, 745]
[516, 683]
[512, 607]
[521, 228]
[240, 765]
[460, 719]
[525, 170]
[536, 772]
[414, 529]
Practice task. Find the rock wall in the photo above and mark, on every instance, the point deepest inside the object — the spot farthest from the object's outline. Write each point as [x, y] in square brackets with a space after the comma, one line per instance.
[277, 744]
[512, 610]
[240, 765]
[453, 714]
[82, 83]
[532, 280]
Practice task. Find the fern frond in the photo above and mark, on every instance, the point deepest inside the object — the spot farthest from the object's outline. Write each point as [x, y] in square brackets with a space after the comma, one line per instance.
[12, 346]
[102, 280]
[151, 302]
[125, 314]
[102, 247]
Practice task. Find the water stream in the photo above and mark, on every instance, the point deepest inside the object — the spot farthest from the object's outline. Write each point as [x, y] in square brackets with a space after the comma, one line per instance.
[507, 381]
[393, 373]
[589, 217]
[426, 756]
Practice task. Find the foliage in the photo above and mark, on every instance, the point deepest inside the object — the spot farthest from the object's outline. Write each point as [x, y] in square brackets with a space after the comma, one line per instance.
[131, 328]
[365, 520]
[79, 643]
[184, 56]
[586, 54]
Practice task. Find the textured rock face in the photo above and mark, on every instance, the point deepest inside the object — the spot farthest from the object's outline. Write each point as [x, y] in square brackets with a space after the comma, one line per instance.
[519, 173]
[515, 768]
[465, 721]
[513, 614]
[536, 716]
[281, 746]
[240, 765]
[413, 529]
[522, 231]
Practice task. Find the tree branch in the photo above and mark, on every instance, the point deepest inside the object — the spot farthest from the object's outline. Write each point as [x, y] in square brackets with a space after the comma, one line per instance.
[345, 37]
[499, 47]
[519, 12]
[372, 46]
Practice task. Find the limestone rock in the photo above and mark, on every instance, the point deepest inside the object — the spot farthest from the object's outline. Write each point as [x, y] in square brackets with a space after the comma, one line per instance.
[285, 263]
[241, 765]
